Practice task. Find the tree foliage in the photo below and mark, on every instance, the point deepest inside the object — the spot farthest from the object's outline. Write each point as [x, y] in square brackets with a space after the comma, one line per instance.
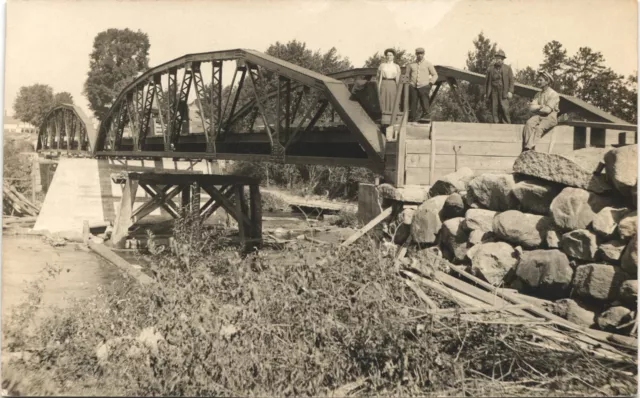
[118, 56]
[297, 53]
[62, 98]
[402, 58]
[32, 103]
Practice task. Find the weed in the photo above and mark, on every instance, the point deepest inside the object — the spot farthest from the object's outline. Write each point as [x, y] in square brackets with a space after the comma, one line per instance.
[301, 321]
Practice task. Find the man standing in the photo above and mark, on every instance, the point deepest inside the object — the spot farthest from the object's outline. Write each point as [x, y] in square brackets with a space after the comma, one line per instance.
[499, 88]
[545, 107]
[422, 75]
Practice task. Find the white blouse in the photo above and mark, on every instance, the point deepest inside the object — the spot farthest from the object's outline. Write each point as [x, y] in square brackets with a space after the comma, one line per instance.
[389, 70]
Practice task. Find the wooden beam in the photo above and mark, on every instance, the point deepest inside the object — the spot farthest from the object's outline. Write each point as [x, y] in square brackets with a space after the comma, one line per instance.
[255, 200]
[241, 210]
[401, 149]
[385, 213]
[432, 165]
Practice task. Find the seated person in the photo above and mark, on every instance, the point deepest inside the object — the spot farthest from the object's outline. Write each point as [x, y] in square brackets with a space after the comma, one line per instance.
[545, 107]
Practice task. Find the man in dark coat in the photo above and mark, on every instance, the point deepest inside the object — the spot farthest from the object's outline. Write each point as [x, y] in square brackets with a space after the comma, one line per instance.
[499, 88]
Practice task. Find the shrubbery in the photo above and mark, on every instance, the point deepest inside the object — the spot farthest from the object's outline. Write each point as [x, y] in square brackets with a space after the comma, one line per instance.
[332, 182]
[302, 321]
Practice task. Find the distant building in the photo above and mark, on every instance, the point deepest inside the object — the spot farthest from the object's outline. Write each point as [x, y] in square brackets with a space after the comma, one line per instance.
[12, 125]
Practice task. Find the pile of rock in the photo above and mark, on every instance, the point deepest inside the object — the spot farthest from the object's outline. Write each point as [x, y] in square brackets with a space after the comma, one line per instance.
[557, 228]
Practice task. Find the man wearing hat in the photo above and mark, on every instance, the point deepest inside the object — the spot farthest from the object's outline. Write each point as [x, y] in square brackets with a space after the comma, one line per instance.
[545, 107]
[499, 88]
[422, 75]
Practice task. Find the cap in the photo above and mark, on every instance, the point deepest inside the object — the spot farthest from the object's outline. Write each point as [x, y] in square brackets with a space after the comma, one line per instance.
[546, 74]
[501, 53]
[419, 50]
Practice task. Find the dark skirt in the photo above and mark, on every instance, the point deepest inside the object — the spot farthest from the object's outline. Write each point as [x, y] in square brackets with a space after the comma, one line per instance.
[388, 89]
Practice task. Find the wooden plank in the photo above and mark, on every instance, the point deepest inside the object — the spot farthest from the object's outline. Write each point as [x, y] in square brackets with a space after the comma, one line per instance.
[479, 148]
[401, 153]
[255, 200]
[119, 262]
[484, 132]
[241, 210]
[432, 156]
[449, 162]
[603, 125]
[599, 335]
[385, 213]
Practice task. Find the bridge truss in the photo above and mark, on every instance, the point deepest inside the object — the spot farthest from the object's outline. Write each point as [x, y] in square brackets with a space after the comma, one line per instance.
[66, 129]
[272, 111]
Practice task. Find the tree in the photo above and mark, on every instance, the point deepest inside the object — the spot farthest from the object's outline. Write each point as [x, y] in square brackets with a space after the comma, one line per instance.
[33, 103]
[481, 57]
[118, 56]
[62, 98]
[297, 53]
[402, 58]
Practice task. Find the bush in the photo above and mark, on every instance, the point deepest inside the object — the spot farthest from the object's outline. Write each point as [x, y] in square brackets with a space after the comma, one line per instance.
[332, 182]
[302, 321]
[17, 165]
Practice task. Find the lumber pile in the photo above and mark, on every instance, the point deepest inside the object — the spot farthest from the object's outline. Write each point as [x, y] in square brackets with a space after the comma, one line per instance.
[15, 204]
[479, 301]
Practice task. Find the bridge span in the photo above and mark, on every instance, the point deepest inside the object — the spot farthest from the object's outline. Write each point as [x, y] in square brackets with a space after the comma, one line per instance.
[272, 111]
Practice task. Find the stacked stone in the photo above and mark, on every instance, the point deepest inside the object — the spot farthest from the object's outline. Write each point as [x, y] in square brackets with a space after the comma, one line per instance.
[563, 228]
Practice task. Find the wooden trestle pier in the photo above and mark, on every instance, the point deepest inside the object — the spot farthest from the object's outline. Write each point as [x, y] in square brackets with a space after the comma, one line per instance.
[224, 191]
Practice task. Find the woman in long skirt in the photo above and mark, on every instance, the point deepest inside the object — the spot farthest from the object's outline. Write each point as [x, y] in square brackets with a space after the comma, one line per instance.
[388, 80]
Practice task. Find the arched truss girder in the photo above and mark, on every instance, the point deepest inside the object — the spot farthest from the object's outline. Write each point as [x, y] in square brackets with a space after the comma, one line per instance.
[288, 102]
[66, 129]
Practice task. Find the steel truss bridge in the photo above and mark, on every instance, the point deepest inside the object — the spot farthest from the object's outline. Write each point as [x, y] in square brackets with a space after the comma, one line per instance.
[272, 111]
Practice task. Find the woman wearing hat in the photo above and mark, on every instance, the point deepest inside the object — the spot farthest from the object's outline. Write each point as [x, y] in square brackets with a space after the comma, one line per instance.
[545, 107]
[388, 80]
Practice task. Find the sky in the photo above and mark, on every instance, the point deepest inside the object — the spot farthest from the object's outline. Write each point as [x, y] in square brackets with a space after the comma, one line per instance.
[49, 42]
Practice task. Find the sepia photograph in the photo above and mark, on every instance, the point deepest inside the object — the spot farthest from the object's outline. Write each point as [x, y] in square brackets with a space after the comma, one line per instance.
[282, 198]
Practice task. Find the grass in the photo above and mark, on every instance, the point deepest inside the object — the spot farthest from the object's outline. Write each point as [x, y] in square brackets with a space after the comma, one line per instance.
[300, 321]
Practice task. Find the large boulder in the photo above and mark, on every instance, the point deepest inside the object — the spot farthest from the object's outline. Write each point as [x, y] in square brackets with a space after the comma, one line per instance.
[629, 291]
[611, 251]
[546, 273]
[580, 244]
[535, 196]
[451, 183]
[454, 239]
[407, 194]
[598, 281]
[573, 312]
[575, 169]
[606, 221]
[426, 220]
[453, 207]
[628, 226]
[493, 191]
[629, 258]
[492, 261]
[479, 219]
[622, 168]
[610, 319]
[576, 208]
[526, 230]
